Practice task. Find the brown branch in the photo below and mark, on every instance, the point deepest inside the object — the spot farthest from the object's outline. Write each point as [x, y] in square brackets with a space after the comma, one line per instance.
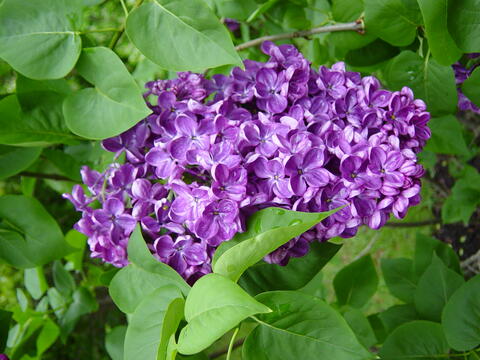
[413, 223]
[221, 352]
[45, 176]
[352, 26]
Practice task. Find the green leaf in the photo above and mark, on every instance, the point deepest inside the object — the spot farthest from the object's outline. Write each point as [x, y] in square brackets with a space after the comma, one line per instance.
[400, 278]
[173, 316]
[440, 42]
[435, 287]
[145, 335]
[35, 282]
[267, 230]
[463, 24]
[356, 283]
[78, 241]
[57, 302]
[66, 164]
[63, 280]
[426, 247]
[83, 303]
[34, 239]
[462, 202]
[447, 137]
[299, 271]
[15, 159]
[360, 327]
[397, 315]
[471, 87]
[113, 106]
[295, 18]
[47, 337]
[301, 324]
[210, 316]
[461, 316]
[374, 53]
[392, 21]
[430, 81]
[205, 42]
[417, 339]
[44, 125]
[378, 328]
[5, 319]
[22, 299]
[39, 39]
[114, 342]
[238, 10]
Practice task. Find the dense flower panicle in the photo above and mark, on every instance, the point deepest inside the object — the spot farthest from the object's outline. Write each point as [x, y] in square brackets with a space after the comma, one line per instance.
[274, 134]
[462, 74]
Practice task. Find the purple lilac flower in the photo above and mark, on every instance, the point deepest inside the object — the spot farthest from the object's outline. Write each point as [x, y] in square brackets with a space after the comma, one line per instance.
[278, 133]
[462, 74]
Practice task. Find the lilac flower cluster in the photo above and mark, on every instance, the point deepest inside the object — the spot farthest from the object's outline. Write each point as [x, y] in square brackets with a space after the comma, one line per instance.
[462, 74]
[274, 134]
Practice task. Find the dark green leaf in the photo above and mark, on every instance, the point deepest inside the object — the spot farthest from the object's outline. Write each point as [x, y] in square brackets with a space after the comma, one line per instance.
[378, 327]
[299, 271]
[83, 303]
[301, 324]
[113, 106]
[435, 287]
[210, 316]
[426, 246]
[400, 278]
[461, 316]
[16, 159]
[267, 230]
[39, 39]
[471, 87]
[417, 339]
[371, 54]
[360, 326]
[430, 81]
[205, 42]
[443, 48]
[447, 137]
[5, 319]
[35, 282]
[295, 18]
[463, 24]
[47, 337]
[356, 283]
[145, 336]
[397, 315]
[66, 164]
[238, 10]
[34, 239]
[392, 20]
[63, 280]
[114, 342]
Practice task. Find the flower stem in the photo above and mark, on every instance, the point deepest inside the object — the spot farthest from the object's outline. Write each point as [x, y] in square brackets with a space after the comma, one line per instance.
[352, 26]
[230, 346]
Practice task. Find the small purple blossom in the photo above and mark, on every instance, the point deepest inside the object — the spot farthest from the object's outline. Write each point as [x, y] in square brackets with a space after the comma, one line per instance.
[278, 133]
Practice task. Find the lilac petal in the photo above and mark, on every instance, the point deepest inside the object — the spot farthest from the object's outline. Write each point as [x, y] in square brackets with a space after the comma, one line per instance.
[206, 228]
[195, 254]
[276, 104]
[164, 246]
[114, 206]
[298, 185]
[185, 125]
[179, 147]
[127, 222]
[317, 177]
[141, 189]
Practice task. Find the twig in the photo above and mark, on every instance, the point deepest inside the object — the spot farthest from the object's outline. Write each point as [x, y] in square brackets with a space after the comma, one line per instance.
[119, 34]
[472, 263]
[352, 26]
[45, 176]
[221, 352]
[413, 223]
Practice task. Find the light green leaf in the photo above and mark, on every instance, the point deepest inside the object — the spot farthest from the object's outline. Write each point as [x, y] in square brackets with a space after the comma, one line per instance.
[356, 283]
[47, 337]
[301, 324]
[360, 327]
[296, 274]
[194, 37]
[113, 106]
[15, 159]
[400, 278]
[114, 342]
[443, 48]
[145, 336]
[267, 230]
[210, 316]
[78, 241]
[447, 137]
[471, 87]
[463, 24]
[415, 340]
[435, 287]
[461, 316]
[34, 237]
[39, 39]
[238, 10]
[174, 314]
[430, 81]
[35, 282]
[392, 21]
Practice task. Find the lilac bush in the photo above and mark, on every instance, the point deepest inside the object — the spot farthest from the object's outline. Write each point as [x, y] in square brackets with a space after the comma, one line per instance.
[279, 133]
